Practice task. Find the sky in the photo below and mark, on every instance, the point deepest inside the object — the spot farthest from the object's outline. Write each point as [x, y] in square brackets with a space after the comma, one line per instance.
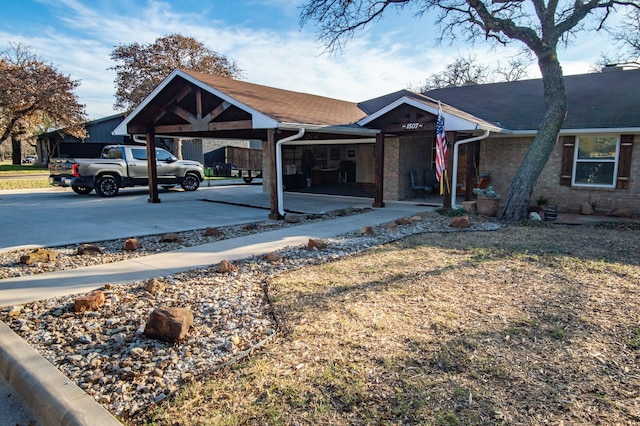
[263, 37]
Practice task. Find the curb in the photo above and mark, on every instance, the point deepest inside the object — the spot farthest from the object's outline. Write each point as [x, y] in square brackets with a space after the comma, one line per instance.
[49, 394]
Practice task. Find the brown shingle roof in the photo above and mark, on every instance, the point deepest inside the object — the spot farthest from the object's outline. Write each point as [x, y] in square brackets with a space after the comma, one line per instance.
[283, 105]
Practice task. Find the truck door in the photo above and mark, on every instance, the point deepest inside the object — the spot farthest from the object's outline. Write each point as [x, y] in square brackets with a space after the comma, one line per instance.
[137, 164]
[165, 164]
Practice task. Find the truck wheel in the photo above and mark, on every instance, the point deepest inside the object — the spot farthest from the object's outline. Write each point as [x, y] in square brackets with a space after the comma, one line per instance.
[82, 190]
[190, 182]
[247, 180]
[107, 186]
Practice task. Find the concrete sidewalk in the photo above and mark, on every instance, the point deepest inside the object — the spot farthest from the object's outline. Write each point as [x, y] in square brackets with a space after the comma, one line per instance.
[31, 288]
[48, 393]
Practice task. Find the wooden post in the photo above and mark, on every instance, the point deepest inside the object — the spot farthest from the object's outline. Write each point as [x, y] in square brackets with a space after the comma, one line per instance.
[470, 170]
[273, 174]
[473, 153]
[379, 172]
[152, 170]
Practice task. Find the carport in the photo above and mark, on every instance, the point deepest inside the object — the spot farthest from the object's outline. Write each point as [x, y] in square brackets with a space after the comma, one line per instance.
[189, 104]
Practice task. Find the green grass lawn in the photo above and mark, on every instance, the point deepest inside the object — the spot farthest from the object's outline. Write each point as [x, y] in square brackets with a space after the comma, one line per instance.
[40, 182]
[6, 184]
[10, 169]
[6, 168]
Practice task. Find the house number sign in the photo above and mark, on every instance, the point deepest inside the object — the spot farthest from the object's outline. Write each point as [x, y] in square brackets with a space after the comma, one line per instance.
[412, 126]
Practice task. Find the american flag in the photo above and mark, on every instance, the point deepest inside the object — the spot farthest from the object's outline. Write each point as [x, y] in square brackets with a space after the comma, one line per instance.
[441, 146]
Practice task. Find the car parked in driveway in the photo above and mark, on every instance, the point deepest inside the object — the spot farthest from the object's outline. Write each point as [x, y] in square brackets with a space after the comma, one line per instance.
[30, 159]
[121, 166]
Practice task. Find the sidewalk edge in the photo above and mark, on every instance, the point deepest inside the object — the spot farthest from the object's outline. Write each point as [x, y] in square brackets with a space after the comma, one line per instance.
[49, 394]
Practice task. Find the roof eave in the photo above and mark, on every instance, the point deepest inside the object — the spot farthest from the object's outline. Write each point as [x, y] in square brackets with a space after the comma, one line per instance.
[259, 120]
[452, 121]
[338, 129]
[578, 131]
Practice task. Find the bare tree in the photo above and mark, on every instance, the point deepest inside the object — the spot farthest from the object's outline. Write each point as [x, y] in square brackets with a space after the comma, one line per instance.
[461, 71]
[540, 25]
[465, 70]
[628, 38]
[35, 97]
[142, 67]
[515, 70]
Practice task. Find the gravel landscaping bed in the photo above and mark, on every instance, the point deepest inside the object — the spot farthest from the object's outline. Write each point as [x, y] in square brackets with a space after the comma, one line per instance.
[105, 351]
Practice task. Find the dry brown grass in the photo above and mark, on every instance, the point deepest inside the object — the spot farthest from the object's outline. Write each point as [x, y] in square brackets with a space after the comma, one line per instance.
[519, 326]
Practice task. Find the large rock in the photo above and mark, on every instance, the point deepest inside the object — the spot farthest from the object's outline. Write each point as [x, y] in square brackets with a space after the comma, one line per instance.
[88, 249]
[170, 237]
[367, 230]
[622, 212]
[402, 221]
[460, 222]
[586, 209]
[316, 244]
[131, 244]
[153, 286]
[535, 216]
[40, 255]
[212, 232]
[91, 301]
[273, 257]
[226, 267]
[169, 324]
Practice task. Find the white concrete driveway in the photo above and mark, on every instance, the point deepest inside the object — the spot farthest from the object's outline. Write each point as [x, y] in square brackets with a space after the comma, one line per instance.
[58, 216]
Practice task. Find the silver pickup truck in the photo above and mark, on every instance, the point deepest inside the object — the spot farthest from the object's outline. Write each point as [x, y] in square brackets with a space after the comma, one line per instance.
[120, 166]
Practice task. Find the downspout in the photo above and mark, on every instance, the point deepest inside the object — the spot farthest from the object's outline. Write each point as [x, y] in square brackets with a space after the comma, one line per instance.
[454, 178]
[279, 168]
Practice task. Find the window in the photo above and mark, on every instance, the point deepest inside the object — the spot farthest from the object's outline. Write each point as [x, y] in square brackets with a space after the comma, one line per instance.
[139, 153]
[113, 152]
[162, 155]
[571, 160]
[595, 161]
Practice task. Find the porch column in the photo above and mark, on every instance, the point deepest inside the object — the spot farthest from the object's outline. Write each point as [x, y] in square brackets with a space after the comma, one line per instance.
[379, 171]
[273, 177]
[152, 170]
[472, 167]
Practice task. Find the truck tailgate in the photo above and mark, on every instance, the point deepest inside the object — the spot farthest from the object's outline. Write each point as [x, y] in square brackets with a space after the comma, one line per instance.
[61, 166]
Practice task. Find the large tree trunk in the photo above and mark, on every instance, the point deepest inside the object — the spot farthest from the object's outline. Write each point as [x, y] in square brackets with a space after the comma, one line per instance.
[16, 150]
[517, 201]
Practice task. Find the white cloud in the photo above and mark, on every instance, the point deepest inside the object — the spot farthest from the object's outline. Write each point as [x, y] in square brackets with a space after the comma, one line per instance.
[375, 62]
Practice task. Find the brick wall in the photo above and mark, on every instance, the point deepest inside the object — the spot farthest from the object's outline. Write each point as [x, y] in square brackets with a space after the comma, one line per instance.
[502, 157]
[402, 155]
[392, 182]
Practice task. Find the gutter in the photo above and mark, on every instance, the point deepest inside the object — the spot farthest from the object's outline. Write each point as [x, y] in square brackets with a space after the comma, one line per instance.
[351, 130]
[454, 178]
[279, 167]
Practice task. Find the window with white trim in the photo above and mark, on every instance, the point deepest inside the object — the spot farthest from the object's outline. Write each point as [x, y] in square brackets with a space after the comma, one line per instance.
[595, 161]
